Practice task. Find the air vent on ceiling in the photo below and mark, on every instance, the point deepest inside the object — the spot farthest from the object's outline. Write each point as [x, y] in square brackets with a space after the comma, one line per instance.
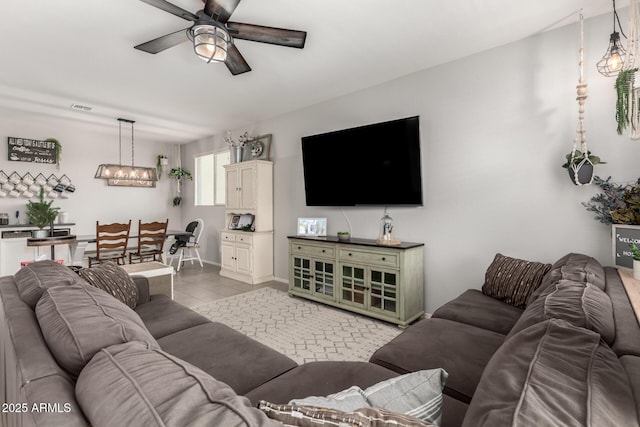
[80, 107]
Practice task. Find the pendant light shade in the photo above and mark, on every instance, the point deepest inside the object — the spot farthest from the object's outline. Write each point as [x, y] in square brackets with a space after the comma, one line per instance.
[613, 60]
[128, 176]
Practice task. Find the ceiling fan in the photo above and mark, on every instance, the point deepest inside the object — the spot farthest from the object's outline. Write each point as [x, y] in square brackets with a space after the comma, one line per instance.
[212, 34]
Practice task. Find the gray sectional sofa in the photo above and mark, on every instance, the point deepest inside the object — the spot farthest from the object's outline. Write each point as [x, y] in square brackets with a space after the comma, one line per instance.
[571, 357]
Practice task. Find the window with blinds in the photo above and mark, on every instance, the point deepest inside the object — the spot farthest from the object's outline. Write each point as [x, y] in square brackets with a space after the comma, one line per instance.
[210, 178]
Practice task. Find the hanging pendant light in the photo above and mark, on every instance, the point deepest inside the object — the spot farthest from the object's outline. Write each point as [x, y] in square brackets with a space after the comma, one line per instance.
[613, 60]
[128, 176]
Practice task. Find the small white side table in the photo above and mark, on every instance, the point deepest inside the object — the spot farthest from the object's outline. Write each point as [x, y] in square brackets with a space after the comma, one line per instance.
[160, 276]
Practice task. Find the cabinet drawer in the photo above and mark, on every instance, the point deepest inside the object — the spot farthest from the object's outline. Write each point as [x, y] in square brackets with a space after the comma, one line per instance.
[313, 250]
[385, 259]
[243, 238]
[227, 237]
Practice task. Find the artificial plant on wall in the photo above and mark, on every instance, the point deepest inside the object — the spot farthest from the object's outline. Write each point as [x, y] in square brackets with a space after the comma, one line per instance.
[58, 150]
[627, 91]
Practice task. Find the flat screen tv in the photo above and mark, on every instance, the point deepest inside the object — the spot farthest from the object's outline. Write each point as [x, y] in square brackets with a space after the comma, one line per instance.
[374, 165]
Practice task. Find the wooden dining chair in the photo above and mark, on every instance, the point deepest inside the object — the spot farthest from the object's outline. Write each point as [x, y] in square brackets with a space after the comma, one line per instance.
[151, 237]
[111, 243]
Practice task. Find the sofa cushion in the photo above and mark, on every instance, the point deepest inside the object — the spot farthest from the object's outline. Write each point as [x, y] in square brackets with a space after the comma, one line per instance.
[461, 350]
[512, 280]
[34, 278]
[112, 279]
[577, 267]
[319, 379]
[311, 416]
[71, 316]
[162, 316]
[553, 374]
[477, 309]
[228, 355]
[130, 384]
[580, 304]
[631, 364]
[627, 329]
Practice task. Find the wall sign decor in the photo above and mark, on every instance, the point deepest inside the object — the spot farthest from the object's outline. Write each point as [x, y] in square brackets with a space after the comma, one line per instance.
[32, 150]
[622, 237]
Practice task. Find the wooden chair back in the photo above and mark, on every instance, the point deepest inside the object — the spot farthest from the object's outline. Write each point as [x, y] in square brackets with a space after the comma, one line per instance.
[111, 242]
[151, 238]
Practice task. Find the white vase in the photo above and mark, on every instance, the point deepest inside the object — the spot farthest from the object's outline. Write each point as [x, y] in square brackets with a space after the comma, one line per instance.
[636, 269]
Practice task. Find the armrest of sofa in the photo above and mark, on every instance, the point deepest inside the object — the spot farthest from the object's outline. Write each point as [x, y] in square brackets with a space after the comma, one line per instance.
[142, 283]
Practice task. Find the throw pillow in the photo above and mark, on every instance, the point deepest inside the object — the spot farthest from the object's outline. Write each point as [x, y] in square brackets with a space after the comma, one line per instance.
[512, 280]
[32, 279]
[114, 280]
[77, 321]
[310, 416]
[417, 394]
[132, 385]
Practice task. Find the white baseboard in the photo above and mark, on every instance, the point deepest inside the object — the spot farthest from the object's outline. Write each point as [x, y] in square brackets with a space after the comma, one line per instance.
[281, 279]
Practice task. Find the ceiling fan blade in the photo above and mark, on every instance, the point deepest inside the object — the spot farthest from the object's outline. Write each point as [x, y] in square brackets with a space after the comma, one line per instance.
[258, 33]
[171, 8]
[164, 42]
[235, 61]
[220, 10]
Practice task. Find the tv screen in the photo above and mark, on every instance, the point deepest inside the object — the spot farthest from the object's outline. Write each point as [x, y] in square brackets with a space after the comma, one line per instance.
[376, 165]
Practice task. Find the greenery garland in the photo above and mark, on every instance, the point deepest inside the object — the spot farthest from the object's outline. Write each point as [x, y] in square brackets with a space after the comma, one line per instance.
[625, 101]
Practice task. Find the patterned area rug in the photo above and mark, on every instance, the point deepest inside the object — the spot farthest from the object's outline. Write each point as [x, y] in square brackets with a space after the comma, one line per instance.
[303, 330]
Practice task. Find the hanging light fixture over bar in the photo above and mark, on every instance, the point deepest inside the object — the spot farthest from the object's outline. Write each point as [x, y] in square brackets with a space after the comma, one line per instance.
[127, 176]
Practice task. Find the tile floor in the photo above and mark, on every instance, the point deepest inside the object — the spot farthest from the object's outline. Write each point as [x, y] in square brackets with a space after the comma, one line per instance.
[194, 286]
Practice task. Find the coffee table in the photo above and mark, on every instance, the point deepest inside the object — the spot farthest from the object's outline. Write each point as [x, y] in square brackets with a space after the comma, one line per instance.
[159, 275]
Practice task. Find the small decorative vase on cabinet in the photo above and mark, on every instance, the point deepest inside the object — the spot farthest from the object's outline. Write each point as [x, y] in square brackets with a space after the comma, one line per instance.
[236, 154]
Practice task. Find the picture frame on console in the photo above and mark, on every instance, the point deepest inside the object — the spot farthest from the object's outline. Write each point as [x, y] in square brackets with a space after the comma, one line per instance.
[312, 227]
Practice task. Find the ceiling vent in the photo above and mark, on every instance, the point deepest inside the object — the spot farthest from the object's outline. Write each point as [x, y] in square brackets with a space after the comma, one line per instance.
[80, 107]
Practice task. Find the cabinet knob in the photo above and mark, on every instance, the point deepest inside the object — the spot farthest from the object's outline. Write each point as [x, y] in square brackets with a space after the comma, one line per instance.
[299, 247]
[323, 251]
[384, 259]
[349, 254]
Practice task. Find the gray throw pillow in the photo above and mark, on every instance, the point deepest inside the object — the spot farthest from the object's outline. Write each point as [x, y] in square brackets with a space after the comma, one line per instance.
[32, 279]
[77, 321]
[133, 385]
[113, 280]
[417, 394]
[512, 280]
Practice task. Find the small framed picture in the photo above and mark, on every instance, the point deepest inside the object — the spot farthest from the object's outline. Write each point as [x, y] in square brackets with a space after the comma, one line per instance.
[623, 235]
[312, 227]
[260, 147]
[235, 220]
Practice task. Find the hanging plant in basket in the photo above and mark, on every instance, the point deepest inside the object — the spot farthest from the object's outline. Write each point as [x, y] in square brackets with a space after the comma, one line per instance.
[580, 167]
[580, 162]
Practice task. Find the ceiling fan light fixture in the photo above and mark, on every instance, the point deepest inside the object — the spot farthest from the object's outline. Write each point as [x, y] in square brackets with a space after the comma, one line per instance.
[210, 42]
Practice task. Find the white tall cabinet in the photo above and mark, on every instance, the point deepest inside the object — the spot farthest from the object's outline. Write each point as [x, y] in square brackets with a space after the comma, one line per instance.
[247, 256]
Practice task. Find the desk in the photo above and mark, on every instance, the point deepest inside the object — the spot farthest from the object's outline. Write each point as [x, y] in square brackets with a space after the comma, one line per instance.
[78, 247]
[52, 241]
[159, 275]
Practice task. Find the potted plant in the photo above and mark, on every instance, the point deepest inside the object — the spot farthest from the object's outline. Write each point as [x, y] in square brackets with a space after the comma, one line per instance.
[635, 251]
[581, 171]
[41, 214]
[343, 236]
[179, 174]
[162, 162]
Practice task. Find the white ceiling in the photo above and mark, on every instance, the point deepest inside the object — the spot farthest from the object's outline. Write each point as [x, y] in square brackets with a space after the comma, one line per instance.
[56, 53]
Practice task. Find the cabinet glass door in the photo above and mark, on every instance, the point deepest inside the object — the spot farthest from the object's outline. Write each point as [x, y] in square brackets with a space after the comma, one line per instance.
[383, 294]
[324, 278]
[353, 285]
[302, 274]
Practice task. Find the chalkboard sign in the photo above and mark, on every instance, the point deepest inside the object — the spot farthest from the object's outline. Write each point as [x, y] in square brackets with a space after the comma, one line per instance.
[31, 150]
[623, 236]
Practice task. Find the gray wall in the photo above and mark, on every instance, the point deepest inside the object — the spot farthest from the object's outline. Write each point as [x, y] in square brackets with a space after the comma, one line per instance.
[494, 128]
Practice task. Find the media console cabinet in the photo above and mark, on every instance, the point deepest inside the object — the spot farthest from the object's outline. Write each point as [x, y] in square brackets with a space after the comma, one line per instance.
[360, 275]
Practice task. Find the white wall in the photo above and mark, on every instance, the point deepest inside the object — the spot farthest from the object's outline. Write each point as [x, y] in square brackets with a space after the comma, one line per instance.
[84, 147]
[494, 129]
